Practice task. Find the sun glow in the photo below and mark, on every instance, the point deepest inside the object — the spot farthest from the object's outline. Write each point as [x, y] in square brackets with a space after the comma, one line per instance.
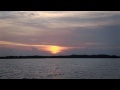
[55, 49]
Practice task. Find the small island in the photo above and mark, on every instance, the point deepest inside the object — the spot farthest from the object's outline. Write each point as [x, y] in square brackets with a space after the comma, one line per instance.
[61, 56]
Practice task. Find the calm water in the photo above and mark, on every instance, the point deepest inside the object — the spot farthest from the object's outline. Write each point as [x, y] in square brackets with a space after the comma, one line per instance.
[60, 68]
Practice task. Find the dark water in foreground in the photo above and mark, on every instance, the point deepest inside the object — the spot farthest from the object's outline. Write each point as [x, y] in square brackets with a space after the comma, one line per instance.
[60, 68]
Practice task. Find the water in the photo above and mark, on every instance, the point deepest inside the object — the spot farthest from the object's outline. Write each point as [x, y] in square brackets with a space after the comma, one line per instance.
[60, 68]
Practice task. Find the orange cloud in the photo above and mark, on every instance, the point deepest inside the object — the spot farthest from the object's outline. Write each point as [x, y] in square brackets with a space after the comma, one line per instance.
[54, 49]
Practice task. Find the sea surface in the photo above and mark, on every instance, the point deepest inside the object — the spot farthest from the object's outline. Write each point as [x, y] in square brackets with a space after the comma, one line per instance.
[57, 68]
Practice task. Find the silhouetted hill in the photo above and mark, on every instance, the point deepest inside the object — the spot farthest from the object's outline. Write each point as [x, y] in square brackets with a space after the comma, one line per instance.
[62, 56]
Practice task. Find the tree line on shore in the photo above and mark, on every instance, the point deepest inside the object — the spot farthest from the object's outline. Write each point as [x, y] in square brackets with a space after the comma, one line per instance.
[62, 56]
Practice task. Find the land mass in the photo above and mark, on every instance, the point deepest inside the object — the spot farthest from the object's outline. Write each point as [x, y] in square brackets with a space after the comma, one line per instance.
[62, 56]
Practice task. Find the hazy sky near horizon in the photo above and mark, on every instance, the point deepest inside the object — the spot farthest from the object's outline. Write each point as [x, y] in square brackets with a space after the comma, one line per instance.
[59, 32]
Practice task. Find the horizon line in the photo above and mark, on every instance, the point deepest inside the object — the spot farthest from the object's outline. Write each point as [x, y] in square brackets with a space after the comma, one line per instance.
[59, 55]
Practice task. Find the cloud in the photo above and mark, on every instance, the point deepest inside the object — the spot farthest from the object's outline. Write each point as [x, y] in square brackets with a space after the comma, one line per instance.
[60, 19]
[38, 47]
[82, 29]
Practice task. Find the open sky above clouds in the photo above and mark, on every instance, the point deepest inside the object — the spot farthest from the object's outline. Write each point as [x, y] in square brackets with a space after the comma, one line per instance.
[71, 32]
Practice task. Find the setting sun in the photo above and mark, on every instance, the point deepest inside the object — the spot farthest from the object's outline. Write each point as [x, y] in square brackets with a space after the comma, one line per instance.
[54, 49]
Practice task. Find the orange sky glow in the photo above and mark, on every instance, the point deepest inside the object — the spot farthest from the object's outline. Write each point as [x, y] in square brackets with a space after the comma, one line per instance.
[59, 32]
[53, 49]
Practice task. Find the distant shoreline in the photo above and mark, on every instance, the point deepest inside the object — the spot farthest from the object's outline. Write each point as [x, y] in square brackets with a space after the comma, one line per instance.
[61, 56]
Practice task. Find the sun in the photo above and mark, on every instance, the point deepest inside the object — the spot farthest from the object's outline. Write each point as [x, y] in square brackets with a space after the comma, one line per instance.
[54, 49]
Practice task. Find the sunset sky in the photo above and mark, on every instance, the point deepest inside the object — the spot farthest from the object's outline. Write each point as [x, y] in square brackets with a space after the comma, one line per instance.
[59, 32]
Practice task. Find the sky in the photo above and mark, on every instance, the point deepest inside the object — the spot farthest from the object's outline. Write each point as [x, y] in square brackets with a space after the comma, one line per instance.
[59, 32]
